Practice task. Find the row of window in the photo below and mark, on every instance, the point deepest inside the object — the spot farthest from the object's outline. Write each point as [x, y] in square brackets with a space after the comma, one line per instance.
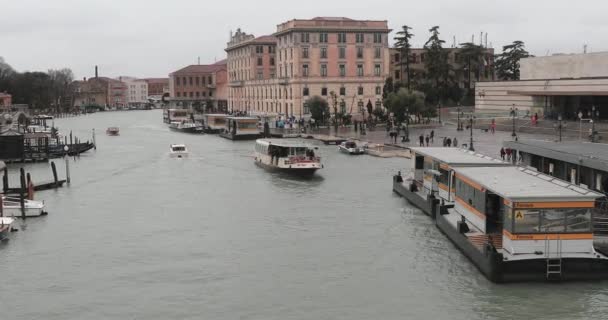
[415, 58]
[193, 94]
[260, 49]
[342, 91]
[179, 81]
[324, 37]
[271, 93]
[342, 70]
[341, 53]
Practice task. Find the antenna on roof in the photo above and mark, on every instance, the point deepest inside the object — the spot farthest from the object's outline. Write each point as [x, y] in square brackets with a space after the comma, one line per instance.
[486, 40]
[199, 60]
[585, 48]
[454, 43]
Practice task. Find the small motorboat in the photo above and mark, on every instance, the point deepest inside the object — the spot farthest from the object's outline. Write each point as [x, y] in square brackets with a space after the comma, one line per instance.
[351, 147]
[5, 227]
[32, 208]
[186, 127]
[113, 131]
[178, 151]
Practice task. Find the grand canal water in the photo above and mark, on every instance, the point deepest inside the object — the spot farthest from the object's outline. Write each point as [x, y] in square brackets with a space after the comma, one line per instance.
[138, 235]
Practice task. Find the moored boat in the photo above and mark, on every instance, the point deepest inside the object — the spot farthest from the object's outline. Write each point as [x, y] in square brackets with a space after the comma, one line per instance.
[241, 128]
[178, 151]
[186, 127]
[32, 208]
[287, 156]
[351, 147]
[214, 123]
[6, 226]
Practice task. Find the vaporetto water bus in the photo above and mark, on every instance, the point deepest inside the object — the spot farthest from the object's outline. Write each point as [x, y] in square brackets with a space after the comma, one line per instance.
[241, 128]
[516, 224]
[214, 123]
[289, 156]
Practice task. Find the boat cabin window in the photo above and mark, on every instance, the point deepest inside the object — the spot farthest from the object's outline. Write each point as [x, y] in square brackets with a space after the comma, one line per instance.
[247, 125]
[297, 151]
[419, 162]
[179, 149]
[350, 144]
[566, 220]
[444, 178]
[471, 195]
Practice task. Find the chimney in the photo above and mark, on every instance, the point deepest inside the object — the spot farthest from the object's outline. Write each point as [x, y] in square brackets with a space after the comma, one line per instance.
[84, 79]
[96, 72]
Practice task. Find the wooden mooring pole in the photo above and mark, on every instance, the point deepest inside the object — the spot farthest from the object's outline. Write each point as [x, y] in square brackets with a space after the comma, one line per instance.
[94, 143]
[5, 180]
[55, 179]
[22, 194]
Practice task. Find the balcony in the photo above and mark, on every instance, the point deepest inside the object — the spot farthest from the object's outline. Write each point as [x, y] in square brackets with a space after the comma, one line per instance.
[237, 83]
[210, 85]
[283, 81]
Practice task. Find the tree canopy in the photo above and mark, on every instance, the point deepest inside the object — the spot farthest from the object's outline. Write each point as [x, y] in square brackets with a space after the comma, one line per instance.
[402, 43]
[318, 107]
[507, 63]
[405, 100]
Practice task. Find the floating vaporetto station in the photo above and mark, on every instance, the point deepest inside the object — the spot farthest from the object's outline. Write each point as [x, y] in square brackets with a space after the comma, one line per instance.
[513, 223]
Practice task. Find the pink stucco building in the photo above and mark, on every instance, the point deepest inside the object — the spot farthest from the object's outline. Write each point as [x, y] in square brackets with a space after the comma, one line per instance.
[304, 58]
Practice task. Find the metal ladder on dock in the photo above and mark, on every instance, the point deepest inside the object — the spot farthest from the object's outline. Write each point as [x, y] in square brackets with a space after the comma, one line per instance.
[554, 261]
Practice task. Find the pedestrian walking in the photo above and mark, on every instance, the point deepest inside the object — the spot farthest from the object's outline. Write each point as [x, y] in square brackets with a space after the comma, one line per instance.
[455, 142]
[421, 138]
[449, 142]
[502, 153]
[445, 141]
[432, 136]
[428, 138]
[493, 126]
[508, 151]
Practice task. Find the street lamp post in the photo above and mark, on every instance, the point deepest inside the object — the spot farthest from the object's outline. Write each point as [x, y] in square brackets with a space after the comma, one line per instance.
[459, 125]
[559, 127]
[439, 111]
[593, 117]
[407, 125]
[513, 134]
[471, 119]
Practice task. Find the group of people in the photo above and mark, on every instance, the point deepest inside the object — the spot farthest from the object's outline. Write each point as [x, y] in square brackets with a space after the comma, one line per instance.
[428, 139]
[506, 153]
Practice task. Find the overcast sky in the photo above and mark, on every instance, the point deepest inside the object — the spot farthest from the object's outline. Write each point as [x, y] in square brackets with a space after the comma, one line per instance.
[149, 38]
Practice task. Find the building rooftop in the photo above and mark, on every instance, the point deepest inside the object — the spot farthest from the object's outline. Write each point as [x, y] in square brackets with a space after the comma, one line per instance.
[587, 154]
[519, 183]
[201, 68]
[459, 157]
[331, 24]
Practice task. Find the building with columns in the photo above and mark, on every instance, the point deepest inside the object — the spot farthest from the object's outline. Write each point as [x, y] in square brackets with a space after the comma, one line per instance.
[304, 58]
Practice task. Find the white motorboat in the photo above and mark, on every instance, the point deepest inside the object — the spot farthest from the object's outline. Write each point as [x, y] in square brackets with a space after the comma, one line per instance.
[286, 156]
[12, 207]
[5, 227]
[178, 151]
[351, 147]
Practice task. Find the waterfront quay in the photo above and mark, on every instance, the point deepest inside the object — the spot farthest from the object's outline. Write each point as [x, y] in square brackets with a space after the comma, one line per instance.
[137, 234]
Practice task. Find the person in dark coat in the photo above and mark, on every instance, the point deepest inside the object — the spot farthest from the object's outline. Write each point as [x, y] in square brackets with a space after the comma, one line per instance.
[502, 153]
[421, 138]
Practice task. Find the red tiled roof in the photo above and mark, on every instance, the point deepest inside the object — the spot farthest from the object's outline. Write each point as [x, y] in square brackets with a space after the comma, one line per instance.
[201, 68]
[265, 39]
[222, 62]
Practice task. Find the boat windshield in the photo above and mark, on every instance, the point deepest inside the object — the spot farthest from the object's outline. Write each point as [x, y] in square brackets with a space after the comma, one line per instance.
[559, 220]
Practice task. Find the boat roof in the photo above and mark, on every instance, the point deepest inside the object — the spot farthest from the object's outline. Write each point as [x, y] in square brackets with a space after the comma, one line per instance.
[215, 115]
[520, 183]
[587, 154]
[178, 145]
[6, 220]
[459, 157]
[283, 143]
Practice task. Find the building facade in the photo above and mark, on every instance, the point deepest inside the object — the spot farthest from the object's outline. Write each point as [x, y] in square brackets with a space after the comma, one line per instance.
[460, 74]
[551, 86]
[200, 84]
[137, 90]
[91, 92]
[304, 58]
[157, 87]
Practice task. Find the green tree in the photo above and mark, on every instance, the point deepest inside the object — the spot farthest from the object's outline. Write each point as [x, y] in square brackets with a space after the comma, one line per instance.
[62, 87]
[402, 43]
[318, 108]
[388, 87]
[398, 102]
[438, 69]
[472, 56]
[507, 63]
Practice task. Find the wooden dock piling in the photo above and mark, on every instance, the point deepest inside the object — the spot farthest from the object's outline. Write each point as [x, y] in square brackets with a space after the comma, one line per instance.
[22, 194]
[54, 169]
[5, 180]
